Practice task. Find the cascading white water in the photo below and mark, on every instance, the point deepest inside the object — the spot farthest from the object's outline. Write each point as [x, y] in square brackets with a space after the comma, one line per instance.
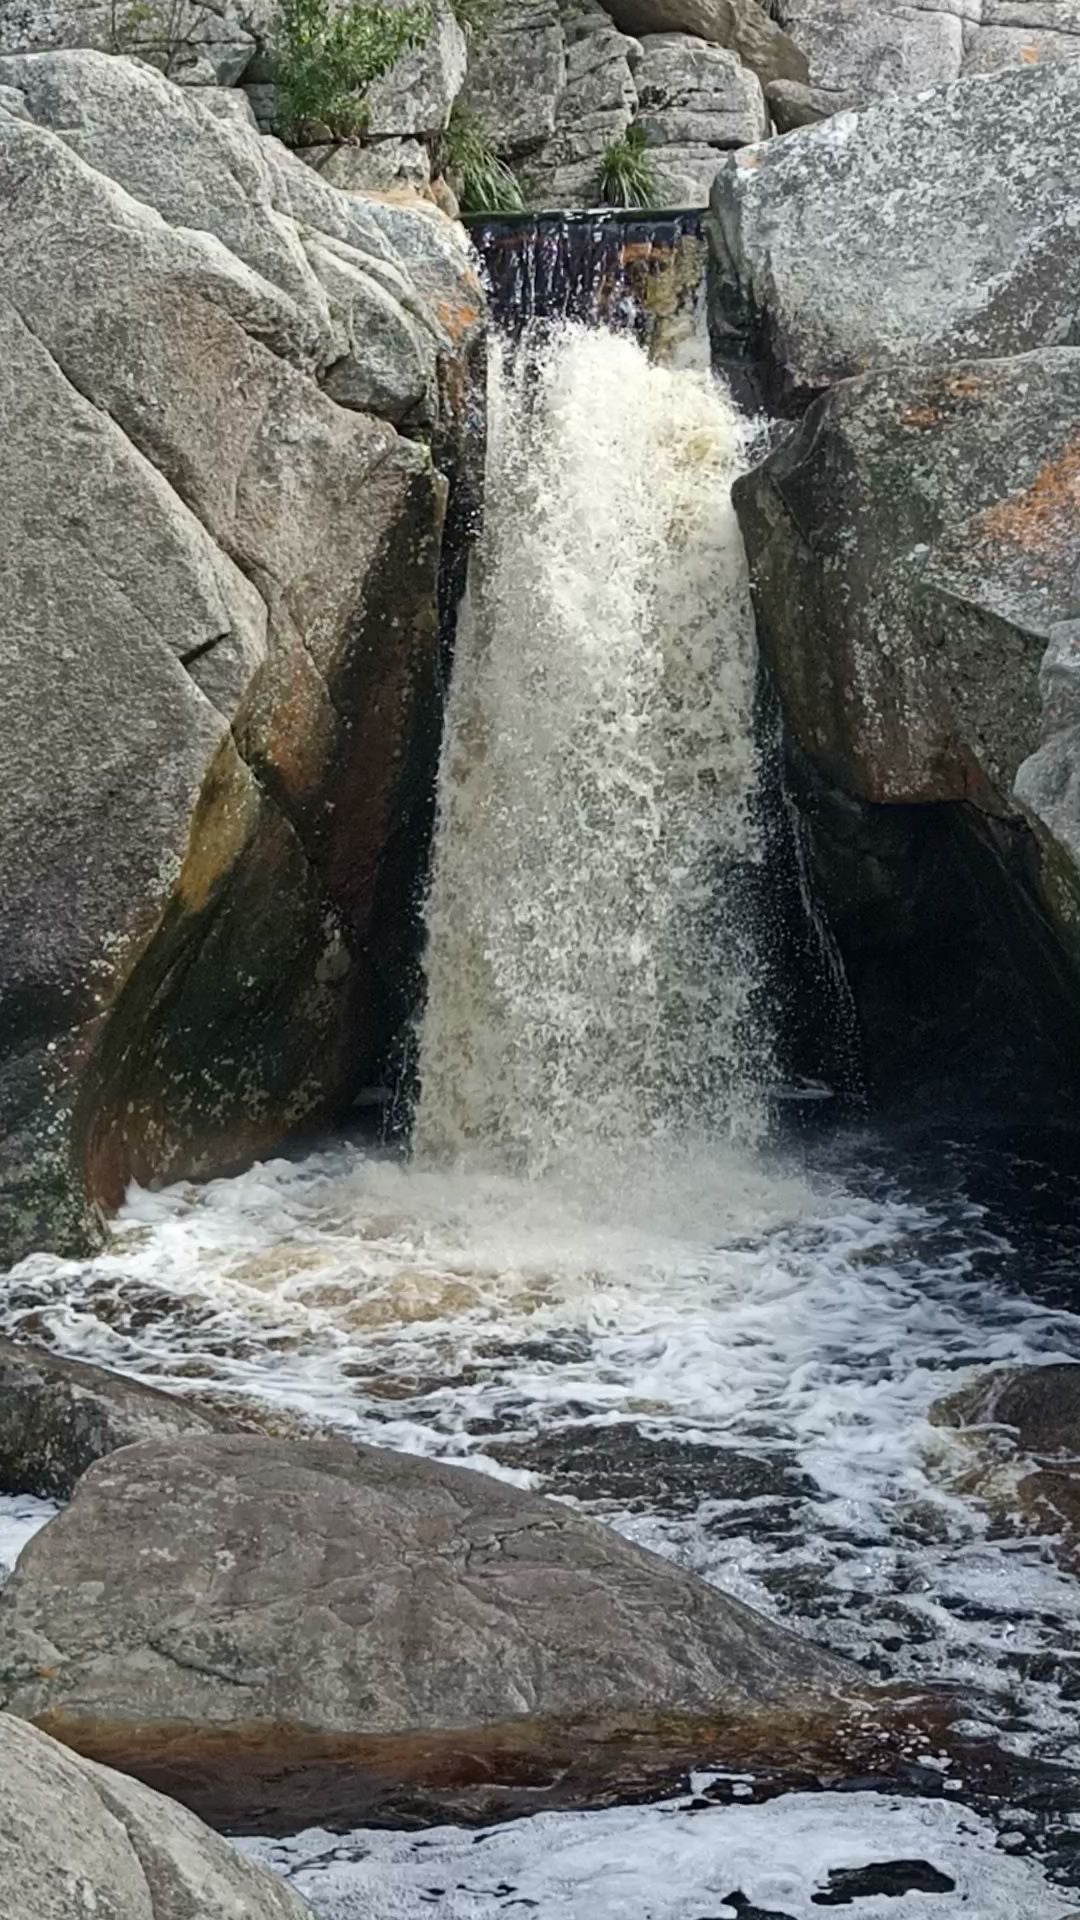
[590, 977]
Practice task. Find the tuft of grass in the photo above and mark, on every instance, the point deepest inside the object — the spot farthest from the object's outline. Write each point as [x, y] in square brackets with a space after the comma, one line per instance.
[626, 172]
[488, 185]
[327, 56]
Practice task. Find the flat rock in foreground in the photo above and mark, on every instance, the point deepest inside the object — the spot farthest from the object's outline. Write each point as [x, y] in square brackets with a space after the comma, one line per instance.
[291, 1633]
[77, 1840]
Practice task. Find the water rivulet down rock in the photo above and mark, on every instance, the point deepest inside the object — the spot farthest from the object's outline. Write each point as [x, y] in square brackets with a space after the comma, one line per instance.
[232, 397]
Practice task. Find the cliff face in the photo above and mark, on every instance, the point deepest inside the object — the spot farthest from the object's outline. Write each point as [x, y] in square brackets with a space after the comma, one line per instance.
[228, 392]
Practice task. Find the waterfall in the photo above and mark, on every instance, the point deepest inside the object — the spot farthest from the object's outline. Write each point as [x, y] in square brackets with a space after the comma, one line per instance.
[590, 966]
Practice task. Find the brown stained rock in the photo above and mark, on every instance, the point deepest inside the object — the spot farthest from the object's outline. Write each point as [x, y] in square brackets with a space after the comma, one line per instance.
[280, 1632]
[221, 575]
[1021, 1432]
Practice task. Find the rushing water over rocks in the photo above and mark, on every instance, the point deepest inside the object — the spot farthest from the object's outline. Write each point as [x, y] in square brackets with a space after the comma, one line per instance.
[593, 1277]
[590, 980]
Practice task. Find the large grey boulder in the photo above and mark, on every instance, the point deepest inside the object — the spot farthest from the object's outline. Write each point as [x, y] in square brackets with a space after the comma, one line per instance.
[416, 94]
[913, 549]
[876, 49]
[742, 25]
[939, 225]
[288, 1632]
[517, 72]
[193, 43]
[57, 1416]
[79, 1840]
[692, 94]
[220, 577]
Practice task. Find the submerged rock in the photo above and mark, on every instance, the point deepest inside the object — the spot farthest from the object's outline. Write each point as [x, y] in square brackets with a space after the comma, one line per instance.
[78, 1839]
[58, 1416]
[221, 580]
[941, 225]
[1021, 1432]
[287, 1633]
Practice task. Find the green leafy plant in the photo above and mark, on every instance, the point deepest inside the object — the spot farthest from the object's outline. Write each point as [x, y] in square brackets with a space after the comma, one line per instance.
[626, 172]
[327, 56]
[487, 184]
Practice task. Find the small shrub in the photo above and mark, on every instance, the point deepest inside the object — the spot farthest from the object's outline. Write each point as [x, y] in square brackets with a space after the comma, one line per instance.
[326, 58]
[626, 172]
[488, 185]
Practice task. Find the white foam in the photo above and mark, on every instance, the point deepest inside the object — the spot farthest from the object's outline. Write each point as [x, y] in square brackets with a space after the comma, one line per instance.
[21, 1516]
[739, 1309]
[668, 1863]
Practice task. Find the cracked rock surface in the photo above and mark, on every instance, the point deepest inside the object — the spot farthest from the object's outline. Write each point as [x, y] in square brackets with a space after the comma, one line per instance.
[220, 1604]
[223, 384]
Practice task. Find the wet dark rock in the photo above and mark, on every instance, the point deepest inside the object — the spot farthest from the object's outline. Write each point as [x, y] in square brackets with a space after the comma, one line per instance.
[889, 1878]
[747, 1911]
[621, 1465]
[58, 1416]
[1021, 1430]
[912, 556]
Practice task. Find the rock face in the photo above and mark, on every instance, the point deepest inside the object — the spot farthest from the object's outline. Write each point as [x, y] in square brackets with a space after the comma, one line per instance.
[694, 100]
[281, 1629]
[1021, 1432]
[80, 1839]
[942, 225]
[912, 549]
[58, 1416]
[878, 48]
[220, 569]
[742, 25]
[194, 44]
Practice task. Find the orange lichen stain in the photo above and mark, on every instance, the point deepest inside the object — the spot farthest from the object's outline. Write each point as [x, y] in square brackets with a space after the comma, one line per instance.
[456, 320]
[933, 412]
[1030, 56]
[1042, 519]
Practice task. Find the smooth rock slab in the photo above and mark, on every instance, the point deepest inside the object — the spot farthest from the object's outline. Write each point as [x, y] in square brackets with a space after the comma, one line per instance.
[58, 1416]
[941, 225]
[79, 1842]
[284, 1633]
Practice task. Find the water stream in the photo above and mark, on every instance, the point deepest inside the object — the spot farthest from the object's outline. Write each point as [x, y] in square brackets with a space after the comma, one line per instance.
[594, 1274]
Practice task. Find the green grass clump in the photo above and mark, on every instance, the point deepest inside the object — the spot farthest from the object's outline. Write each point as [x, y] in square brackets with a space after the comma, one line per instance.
[626, 172]
[488, 185]
[326, 58]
